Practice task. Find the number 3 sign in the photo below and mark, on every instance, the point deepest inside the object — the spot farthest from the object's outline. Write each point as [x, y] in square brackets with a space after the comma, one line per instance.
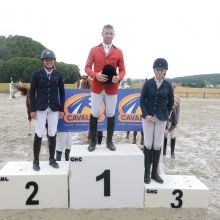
[176, 192]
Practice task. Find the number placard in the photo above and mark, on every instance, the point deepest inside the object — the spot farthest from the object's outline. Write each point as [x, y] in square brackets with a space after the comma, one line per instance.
[29, 189]
[106, 179]
[30, 200]
[178, 198]
[106, 176]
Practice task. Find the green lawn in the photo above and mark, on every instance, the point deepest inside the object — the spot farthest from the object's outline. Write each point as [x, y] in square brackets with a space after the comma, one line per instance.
[5, 86]
[181, 91]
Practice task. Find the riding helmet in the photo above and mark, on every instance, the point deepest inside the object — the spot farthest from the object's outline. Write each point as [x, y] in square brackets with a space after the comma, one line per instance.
[48, 54]
[109, 71]
[160, 63]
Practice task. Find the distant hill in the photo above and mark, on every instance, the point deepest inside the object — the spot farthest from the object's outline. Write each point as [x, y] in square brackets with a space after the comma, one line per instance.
[207, 79]
[199, 81]
[20, 56]
[19, 46]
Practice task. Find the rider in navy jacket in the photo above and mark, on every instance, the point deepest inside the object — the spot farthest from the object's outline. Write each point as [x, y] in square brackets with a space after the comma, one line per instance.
[47, 105]
[155, 101]
[44, 92]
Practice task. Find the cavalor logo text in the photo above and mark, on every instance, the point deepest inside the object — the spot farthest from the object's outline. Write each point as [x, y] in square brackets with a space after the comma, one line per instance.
[129, 108]
[77, 108]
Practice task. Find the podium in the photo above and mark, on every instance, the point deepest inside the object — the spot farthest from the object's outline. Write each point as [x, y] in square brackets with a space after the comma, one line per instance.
[177, 191]
[98, 179]
[23, 188]
[106, 179]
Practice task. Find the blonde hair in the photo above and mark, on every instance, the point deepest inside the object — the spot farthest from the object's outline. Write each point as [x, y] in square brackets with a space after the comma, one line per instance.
[177, 99]
[174, 86]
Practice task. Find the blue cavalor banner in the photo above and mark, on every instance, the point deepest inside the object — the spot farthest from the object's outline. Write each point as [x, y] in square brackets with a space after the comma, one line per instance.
[77, 110]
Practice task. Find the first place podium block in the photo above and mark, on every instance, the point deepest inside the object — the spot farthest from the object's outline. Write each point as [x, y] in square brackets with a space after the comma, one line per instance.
[23, 188]
[178, 191]
[106, 179]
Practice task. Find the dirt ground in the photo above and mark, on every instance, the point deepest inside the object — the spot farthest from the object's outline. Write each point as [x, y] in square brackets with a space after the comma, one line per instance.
[197, 153]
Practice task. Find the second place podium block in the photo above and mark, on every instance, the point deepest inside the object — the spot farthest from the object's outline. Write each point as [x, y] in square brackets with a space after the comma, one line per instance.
[23, 188]
[106, 179]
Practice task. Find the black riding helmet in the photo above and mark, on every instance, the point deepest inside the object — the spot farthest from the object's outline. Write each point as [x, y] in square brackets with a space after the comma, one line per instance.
[160, 63]
[109, 71]
[48, 54]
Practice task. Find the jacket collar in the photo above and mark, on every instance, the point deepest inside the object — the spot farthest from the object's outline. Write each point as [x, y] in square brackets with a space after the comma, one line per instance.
[155, 85]
[112, 45]
[103, 50]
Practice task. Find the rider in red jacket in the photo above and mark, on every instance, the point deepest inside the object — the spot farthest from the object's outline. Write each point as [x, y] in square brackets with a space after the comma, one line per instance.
[104, 84]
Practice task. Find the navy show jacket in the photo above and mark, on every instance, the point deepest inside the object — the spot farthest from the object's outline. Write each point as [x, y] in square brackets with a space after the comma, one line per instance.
[158, 102]
[46, 92]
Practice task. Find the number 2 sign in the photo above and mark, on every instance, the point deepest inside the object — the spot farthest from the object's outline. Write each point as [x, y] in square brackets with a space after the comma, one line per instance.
[29, 189]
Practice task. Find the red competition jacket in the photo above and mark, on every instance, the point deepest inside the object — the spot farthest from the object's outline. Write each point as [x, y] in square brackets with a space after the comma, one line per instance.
[95, 63]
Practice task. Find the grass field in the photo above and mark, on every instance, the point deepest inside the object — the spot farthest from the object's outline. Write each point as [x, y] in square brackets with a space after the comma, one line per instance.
[198, 92]
[180, 91]
[4, 87]
[191, 92]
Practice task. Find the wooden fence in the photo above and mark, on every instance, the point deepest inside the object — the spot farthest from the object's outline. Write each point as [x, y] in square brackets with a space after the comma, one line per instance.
[199, 94]
[187, 94]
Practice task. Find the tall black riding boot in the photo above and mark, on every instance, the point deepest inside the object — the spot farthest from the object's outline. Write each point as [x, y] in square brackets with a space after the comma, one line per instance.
[156, 158]
[58, 155]
[151, 156]
[172, 144]
[93, 129]
[67, 153]
[142, 138]
[110, 132]
[99, 136]
[36, 151]
[52, 147]
[147, 165]
[165, 146]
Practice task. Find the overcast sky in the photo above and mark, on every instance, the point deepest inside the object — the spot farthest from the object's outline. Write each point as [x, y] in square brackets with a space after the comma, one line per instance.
[185, 32]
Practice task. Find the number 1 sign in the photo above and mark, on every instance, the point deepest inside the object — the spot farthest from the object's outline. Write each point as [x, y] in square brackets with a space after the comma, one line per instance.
[106, 179]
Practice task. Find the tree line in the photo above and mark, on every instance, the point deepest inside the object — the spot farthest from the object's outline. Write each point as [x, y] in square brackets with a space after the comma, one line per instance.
[20, 56]
[198, 81]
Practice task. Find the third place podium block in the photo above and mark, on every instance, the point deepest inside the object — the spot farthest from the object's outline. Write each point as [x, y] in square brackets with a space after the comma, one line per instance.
[106, 179]
[23, 188]
[178, 191]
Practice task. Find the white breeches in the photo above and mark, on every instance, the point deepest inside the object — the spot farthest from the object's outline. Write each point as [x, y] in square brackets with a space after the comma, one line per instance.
[52, 121]
[153, 133]
[110, 104]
